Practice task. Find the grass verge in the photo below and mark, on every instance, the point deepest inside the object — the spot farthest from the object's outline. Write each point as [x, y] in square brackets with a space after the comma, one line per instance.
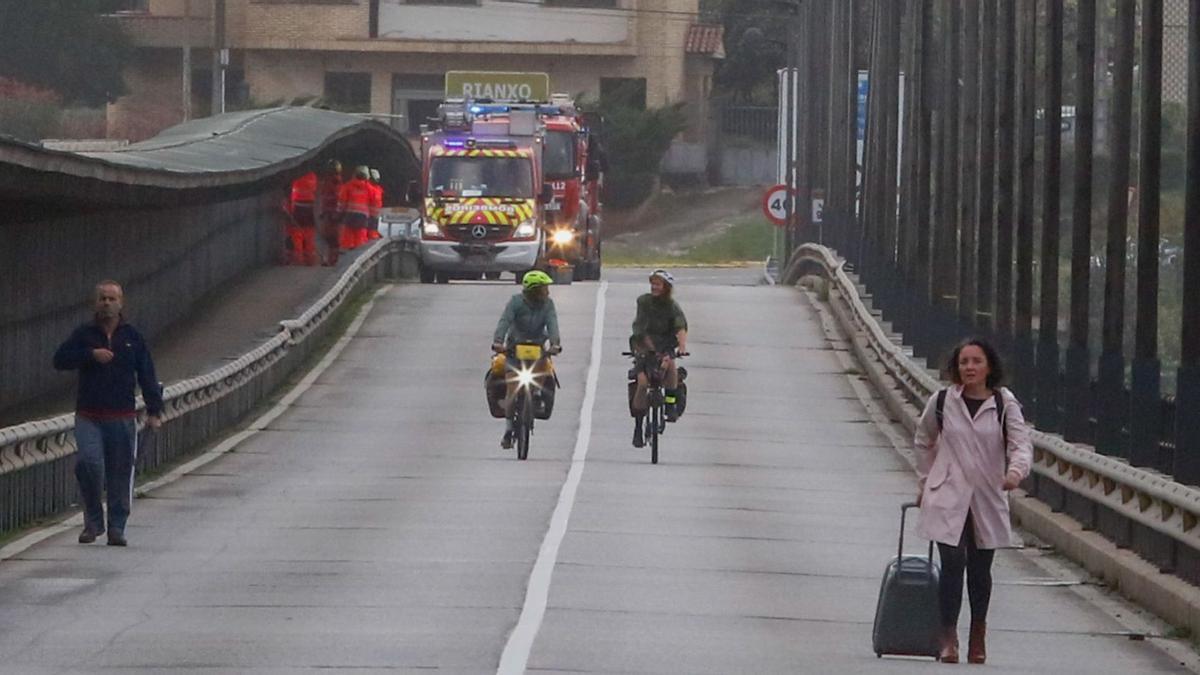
[749, 238]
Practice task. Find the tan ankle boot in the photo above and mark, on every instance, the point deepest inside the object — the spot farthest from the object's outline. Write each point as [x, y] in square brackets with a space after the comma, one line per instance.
[949, 645]
[976, 647]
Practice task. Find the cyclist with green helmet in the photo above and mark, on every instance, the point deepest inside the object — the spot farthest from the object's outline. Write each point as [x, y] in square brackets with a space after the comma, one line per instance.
[529, 317]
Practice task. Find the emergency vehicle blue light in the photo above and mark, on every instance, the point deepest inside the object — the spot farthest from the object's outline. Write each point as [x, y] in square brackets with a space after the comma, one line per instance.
[455, 143]
[479, 109]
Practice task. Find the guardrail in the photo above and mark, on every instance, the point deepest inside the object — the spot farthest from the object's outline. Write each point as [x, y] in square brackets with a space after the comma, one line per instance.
[1147, 512]
[37, 458]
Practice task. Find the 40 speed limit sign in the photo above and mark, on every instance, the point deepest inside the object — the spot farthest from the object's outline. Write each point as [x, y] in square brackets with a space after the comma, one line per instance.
[775, 204]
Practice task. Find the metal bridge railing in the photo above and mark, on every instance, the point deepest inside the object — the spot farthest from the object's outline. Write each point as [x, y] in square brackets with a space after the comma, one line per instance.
[37, 458]
[1137, 508]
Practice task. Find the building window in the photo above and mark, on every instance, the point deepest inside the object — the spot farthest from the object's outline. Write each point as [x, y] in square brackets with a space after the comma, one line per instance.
[415, 100]
[624, 91]
[348, 92]
[610, 4]
[421, 111]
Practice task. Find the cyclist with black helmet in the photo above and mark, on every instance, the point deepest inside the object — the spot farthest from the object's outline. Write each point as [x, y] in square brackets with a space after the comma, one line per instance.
[660, 326]
[529, 317]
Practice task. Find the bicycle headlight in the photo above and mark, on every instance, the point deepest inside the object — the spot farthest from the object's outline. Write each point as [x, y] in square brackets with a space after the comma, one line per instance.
[525, 377]
[563, 237]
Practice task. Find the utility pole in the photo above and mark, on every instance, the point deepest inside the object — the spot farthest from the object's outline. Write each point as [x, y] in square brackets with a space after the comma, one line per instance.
[220, 58]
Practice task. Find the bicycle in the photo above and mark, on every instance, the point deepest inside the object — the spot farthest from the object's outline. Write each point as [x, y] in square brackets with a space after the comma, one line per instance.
[528, 366]
[654, 420]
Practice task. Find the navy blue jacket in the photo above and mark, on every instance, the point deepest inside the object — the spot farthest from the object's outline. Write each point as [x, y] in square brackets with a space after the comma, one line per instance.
[107, 389]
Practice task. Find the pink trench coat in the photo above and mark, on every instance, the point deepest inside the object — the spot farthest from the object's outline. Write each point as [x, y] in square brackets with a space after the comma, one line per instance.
[963, 468]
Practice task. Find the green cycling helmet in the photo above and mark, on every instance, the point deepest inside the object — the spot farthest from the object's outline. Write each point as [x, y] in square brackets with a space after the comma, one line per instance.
[535, 279]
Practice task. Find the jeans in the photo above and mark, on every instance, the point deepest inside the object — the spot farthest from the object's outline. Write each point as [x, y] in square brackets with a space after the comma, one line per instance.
[977, 563]
[107, 451]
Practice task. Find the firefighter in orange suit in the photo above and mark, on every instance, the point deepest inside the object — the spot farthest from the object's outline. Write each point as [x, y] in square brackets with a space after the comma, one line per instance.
[376, 205]
[328, 190]
[303, 227]
[354, 203]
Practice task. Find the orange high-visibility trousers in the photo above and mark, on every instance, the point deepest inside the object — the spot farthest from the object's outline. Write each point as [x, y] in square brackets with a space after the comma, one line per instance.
[303, 235]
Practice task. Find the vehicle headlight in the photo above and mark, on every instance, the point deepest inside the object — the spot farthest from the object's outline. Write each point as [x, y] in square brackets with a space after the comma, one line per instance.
[563, 237]
[431, 228]
[526, 229]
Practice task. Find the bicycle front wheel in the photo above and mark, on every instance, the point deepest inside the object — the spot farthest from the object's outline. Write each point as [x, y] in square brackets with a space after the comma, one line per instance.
[524, 422]
[655, 419]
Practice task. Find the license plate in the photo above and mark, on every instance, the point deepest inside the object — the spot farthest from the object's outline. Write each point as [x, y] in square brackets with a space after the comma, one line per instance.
[529, 352]
[554, 206]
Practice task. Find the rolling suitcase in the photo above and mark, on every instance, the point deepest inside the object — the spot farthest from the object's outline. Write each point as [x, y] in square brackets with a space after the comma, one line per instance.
[907, 617]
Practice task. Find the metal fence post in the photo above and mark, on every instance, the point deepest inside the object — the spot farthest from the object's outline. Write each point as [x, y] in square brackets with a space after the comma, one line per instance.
[968, 218]
[946, 268]
[985, 286]
[1187, 398]
[906, 237]
[1047, 347]
[1006, 100]
[1077, 410]
[1027, 105]
[921, 258]
[1113, 409]
[891, 172]
[1145, 414]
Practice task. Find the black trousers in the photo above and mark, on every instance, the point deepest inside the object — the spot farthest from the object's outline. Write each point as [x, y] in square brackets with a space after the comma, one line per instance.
[977, 564]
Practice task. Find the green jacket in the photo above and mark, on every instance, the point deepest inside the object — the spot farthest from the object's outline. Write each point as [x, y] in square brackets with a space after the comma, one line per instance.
[660, 319]
[523, 321]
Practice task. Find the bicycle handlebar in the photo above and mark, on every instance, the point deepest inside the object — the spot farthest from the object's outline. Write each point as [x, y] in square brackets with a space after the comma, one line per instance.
[675, 354]
[552, 350]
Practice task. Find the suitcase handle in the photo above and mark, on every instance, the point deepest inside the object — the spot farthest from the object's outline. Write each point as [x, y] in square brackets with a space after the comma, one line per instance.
[904, 512]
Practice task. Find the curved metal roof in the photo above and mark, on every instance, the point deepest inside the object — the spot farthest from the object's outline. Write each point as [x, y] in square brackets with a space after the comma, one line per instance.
[222, 151]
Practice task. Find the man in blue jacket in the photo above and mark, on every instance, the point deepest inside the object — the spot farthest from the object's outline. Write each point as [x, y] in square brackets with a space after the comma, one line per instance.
[111, 358]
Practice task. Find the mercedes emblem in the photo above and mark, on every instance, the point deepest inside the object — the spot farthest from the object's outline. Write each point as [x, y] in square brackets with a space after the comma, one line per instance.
[479, 231]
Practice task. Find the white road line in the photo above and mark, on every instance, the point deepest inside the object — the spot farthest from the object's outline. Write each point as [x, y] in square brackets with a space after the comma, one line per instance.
[520, 643]
[25, 543]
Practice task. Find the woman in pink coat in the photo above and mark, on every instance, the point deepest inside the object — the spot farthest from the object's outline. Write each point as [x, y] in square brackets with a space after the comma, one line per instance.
[966, 470]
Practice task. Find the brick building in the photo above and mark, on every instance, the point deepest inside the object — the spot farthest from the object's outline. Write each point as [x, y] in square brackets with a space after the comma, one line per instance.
[388, 57]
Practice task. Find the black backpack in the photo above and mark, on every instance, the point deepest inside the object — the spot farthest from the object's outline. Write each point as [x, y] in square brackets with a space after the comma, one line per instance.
[941, 406]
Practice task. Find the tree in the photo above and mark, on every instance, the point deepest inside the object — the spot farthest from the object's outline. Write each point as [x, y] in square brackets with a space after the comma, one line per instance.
[755, 40]
[64, 45]
[635, 139]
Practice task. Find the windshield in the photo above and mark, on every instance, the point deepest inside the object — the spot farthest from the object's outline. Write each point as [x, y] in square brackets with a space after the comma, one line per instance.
[482, 177]
[559, 156]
